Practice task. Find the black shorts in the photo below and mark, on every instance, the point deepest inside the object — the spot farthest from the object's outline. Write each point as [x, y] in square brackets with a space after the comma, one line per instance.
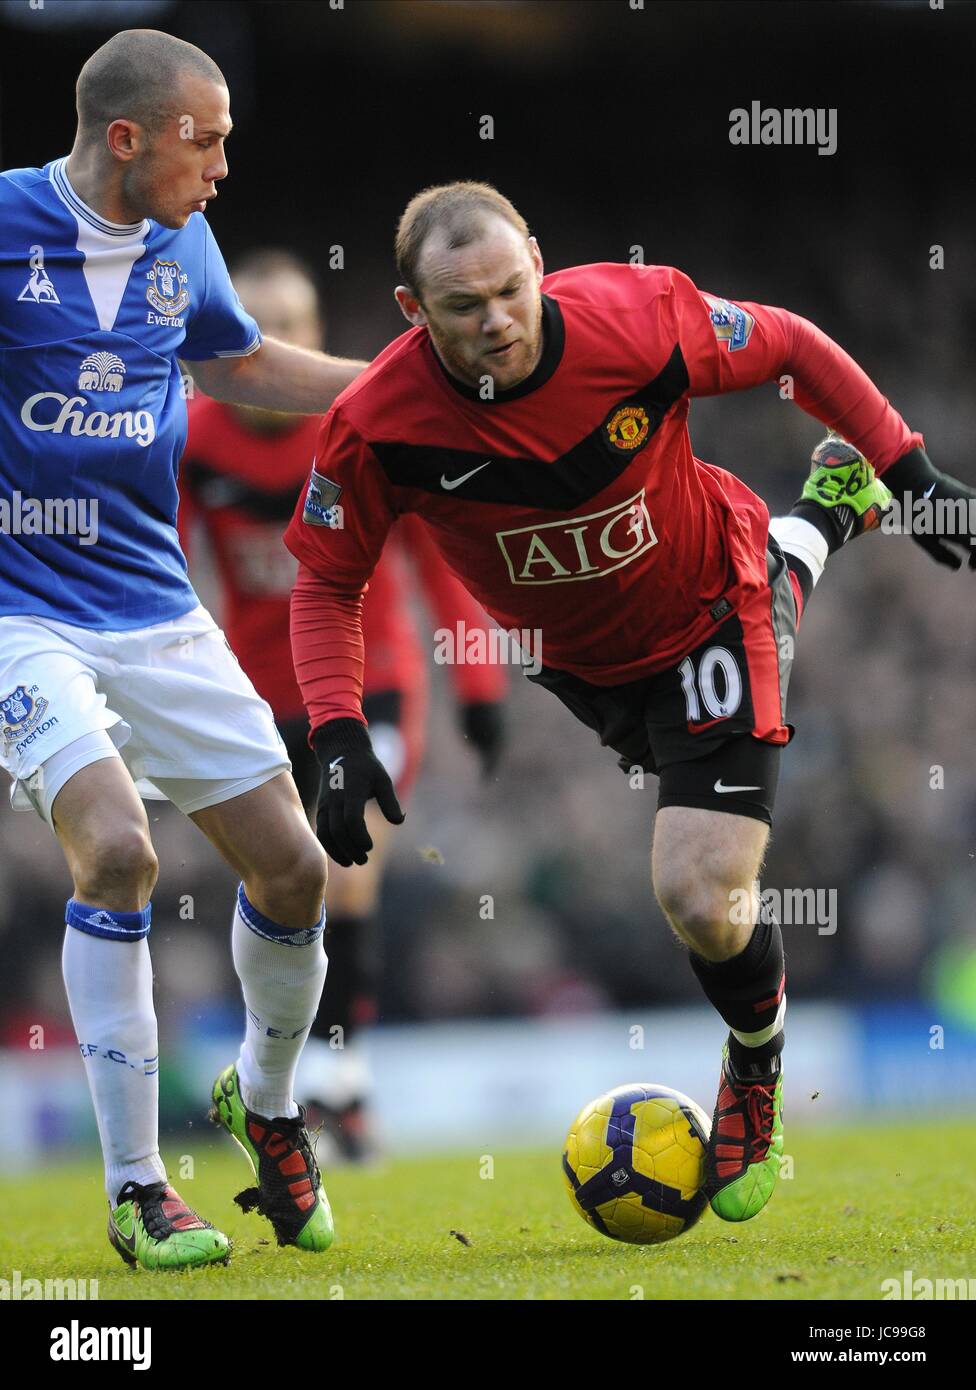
[711, 727]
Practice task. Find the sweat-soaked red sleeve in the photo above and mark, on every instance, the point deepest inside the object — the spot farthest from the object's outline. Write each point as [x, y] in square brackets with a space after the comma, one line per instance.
[733, 345]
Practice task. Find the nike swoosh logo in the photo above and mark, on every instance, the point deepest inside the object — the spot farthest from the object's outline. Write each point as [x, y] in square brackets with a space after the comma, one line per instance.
[451, 484]
[720, 788]
[129, 1241]
[929, 490]
[336, 761]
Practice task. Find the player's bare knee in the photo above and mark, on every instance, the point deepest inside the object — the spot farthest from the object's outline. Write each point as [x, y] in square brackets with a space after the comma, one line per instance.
[713, 940]
[312, 873]
[121, 865]
[312, 865]
[699, 909]
[294, 891]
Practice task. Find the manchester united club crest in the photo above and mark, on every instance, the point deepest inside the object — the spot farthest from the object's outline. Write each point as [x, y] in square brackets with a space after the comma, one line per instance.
[167, 291]
[628, 427]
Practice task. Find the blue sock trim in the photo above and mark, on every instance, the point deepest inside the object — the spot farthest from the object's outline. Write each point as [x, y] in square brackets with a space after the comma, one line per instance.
[271, 931]
[114, 926]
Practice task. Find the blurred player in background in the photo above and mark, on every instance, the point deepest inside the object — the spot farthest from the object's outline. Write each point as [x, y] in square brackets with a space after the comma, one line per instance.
[538, 424]
[240, 475]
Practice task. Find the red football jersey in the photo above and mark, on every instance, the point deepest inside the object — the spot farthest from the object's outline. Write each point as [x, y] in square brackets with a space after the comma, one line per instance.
[570, 505]
[241, 484]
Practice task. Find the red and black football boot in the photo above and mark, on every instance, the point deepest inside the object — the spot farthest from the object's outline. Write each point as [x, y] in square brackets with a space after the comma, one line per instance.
[289, 1191]
[746, 1143]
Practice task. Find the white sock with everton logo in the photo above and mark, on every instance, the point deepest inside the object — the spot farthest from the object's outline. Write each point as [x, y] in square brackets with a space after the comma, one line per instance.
[108, 978]
[281, 973]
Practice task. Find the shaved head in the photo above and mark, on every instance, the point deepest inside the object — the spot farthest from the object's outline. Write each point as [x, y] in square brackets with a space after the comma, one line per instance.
[153, 116]
[138, 75]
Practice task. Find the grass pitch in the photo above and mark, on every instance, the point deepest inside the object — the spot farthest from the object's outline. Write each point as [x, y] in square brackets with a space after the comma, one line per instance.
[863, 1206]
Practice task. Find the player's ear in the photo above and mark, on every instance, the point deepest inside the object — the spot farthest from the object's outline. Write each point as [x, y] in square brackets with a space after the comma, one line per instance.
[409, 306]
[124, 139]
[536, 255]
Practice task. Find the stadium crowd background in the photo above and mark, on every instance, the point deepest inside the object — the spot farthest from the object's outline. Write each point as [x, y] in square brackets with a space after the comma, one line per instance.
[610, 131]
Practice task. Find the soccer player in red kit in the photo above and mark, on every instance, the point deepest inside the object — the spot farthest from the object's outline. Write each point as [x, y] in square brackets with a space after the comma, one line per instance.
[538, 424]
[239, 476]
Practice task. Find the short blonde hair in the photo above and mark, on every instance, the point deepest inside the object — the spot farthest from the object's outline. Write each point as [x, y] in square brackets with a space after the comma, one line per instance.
[459, 208]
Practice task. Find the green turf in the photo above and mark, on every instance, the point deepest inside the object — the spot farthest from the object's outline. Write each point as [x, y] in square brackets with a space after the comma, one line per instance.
[863, 1206]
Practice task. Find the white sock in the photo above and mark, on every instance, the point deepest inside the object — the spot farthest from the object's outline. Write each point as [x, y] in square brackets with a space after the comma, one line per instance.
[108, 978]
[801, 539]
[281, 973]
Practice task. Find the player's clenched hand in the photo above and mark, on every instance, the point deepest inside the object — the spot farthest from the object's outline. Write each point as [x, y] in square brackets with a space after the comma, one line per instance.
[915, 474]
[351, 775]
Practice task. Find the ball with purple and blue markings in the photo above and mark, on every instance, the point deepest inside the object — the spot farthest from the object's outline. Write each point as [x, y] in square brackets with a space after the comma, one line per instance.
[634, 1163]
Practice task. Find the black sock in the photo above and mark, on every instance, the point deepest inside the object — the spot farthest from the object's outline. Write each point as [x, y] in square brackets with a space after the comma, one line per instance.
[748, 1063]
[825, 519]
[747, 991]
[349, 997]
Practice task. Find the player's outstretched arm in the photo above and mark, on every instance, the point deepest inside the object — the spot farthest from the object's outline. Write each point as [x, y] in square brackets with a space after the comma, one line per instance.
[731, 346]
[831, 386]
[278, 376]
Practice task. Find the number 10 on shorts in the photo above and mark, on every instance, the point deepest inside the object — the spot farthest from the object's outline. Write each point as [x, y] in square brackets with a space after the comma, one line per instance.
[717, 686]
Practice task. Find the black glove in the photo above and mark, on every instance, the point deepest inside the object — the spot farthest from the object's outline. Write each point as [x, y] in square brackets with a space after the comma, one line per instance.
[915, 474]
[483, 724]
[351, 775]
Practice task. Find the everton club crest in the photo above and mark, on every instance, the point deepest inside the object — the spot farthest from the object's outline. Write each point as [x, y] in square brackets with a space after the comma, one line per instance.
[21, 712]
[167, 291]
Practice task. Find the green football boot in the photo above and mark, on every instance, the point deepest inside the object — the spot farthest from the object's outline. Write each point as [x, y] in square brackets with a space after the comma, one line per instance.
[289, 1191]
[843, 483]
[746, 1144]
[153, 1227]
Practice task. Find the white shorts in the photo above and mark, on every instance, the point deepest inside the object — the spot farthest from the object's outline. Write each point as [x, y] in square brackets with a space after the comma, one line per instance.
[172, 698]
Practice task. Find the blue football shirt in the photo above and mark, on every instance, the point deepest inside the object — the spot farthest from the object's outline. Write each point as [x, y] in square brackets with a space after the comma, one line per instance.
[93, 316]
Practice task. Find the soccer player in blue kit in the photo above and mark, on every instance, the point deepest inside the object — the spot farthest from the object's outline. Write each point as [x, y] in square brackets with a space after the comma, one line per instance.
[114, 680]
